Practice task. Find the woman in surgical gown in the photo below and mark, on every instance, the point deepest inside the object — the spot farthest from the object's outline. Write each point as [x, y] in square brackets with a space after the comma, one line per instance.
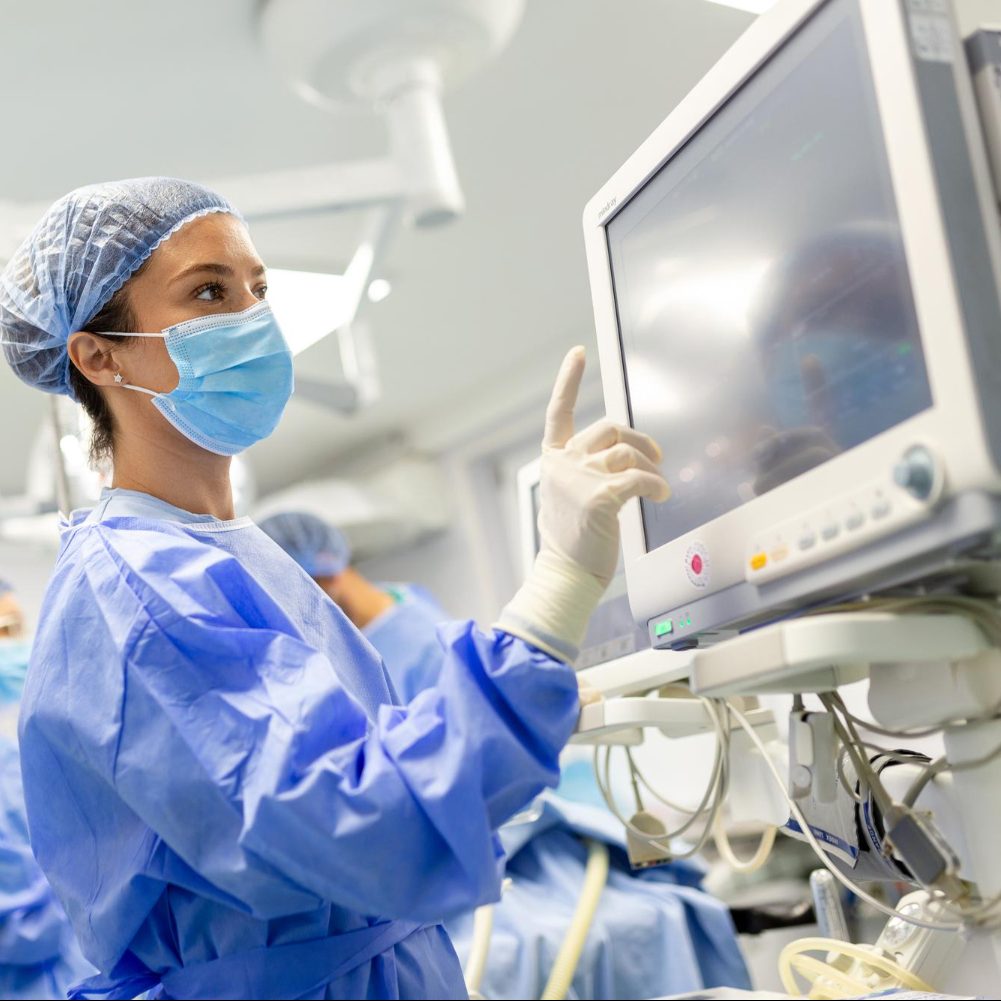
[219, 785]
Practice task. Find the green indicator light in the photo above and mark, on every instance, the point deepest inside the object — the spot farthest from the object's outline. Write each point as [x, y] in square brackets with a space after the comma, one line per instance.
[663, 628]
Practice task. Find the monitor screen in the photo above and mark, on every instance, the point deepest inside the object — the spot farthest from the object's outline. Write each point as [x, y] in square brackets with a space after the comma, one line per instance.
[764, 303]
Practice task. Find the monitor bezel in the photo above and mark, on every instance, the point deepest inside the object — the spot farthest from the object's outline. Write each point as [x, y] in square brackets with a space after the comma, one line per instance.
[656, 580]
[529, 477]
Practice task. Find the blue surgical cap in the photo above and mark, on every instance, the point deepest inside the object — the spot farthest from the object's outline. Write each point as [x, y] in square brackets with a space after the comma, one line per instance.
[83, 250]
[320, 549]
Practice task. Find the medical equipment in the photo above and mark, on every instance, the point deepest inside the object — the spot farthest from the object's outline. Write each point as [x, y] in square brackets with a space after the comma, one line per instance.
[397, 55]
[796, 291]
[572, 947]
[796, 288]
[827, 906]
[983, 51]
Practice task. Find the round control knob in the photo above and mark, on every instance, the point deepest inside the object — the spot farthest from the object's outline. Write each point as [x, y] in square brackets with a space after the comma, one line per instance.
[917, 473]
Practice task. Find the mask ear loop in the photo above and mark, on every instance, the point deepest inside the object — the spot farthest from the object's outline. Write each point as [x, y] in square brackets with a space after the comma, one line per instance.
[119, 380]
[128, 385]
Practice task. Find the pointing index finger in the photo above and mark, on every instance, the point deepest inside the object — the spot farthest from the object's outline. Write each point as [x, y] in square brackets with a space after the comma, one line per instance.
[559, 413]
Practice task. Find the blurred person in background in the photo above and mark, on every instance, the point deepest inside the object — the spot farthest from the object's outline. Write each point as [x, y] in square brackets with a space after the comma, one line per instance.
[39, 955]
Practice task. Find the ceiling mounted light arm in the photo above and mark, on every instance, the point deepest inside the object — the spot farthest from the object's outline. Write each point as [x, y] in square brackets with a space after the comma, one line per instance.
[360, 385]
[334, 187]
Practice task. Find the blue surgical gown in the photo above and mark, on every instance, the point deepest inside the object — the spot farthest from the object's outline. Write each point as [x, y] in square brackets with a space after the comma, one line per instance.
[222, 789]
[406, 637]
[39, 957]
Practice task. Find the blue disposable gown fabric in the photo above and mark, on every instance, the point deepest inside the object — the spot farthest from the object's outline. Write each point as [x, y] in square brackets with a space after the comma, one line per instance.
[39, 957]
[655, 932]
[406, 636]
[215, 766]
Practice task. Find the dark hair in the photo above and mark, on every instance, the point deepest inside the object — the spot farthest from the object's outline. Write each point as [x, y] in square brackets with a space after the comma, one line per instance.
[116, 315]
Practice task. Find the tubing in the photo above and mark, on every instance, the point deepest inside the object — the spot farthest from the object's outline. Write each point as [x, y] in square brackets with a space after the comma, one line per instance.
[568, 958]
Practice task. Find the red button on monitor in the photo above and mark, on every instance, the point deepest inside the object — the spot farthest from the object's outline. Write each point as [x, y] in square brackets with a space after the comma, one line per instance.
[696, 564]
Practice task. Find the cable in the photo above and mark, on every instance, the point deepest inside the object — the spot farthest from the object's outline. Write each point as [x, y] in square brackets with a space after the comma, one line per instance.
[567, 959]
[476, 964]
[940, 765]
[816, 970]
[863, 769]
[792, 959]
[848, 786]
[815, 844]
[756, 861]
[604, 785]
[708, 807]
[917, 787]
[985, 913]
[637, 774]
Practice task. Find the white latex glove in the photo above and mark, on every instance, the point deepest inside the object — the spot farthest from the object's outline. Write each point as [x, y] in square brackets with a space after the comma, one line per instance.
[585, 480]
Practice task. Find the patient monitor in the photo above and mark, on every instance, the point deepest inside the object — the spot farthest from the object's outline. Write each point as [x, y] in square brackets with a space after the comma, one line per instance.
[796, 290]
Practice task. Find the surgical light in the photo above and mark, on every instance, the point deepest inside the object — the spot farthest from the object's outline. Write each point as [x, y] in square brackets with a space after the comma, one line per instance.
[309, 305]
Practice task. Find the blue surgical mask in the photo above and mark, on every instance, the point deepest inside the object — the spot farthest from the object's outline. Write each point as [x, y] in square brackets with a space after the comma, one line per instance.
[13, 668]
[235, 378]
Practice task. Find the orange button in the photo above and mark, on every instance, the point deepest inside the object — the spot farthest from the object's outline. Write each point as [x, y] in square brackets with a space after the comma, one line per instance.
[758, 561]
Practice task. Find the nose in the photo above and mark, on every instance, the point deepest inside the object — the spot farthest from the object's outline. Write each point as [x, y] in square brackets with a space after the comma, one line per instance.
[247, 299]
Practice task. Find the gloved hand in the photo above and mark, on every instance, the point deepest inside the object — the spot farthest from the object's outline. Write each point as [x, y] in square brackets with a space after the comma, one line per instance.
[585, 480]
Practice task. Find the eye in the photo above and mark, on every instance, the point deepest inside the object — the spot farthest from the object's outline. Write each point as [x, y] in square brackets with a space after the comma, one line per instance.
[261, 291]
[210, 292]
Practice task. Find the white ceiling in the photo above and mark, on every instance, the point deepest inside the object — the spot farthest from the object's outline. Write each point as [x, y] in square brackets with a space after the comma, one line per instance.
[480, 310]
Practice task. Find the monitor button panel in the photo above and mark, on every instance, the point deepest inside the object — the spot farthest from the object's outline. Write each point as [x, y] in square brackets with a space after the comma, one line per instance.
[842, 524]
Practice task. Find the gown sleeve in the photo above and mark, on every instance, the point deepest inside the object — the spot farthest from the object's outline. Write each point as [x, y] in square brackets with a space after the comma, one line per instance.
[234, 741]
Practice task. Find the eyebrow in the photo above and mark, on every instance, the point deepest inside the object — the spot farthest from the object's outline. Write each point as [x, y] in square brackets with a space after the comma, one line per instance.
[213, 268]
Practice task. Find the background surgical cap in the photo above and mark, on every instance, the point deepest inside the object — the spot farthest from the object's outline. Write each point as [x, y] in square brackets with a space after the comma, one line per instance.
[83, 250]
[320, 549]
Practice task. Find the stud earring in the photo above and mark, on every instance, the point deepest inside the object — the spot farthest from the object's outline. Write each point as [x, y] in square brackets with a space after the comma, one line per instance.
[118, 378]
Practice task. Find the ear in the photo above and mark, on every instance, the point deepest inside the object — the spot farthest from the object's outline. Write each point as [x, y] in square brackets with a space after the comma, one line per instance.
[92, 355]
